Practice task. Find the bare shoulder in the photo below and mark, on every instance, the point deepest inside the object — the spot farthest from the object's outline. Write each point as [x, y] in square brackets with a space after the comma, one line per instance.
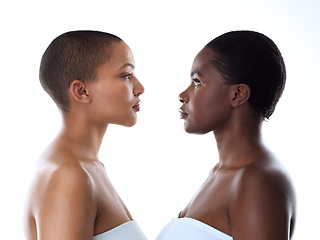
[61, 192]
[61, 175]
[263, 202]
[266, 176]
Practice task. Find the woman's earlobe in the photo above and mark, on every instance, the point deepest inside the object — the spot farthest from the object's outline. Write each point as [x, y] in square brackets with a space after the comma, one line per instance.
[240, 94]
[79, 91]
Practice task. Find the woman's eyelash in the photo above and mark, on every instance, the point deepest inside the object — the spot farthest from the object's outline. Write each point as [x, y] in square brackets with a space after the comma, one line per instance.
[196, 81]
[127, 76]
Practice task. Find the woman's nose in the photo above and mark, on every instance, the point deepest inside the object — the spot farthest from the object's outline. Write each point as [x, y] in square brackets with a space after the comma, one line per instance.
[139, 89]
[184, 97]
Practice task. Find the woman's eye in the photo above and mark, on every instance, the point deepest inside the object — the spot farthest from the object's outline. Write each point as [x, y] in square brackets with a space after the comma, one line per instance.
[196, 81]
[127, 76]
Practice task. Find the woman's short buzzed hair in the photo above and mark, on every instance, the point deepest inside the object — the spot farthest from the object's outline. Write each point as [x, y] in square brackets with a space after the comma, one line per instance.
[254, 59]
[72, 56]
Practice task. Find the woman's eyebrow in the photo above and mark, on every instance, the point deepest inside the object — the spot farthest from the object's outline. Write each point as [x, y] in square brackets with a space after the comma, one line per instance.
[127, 65]
[193, 73]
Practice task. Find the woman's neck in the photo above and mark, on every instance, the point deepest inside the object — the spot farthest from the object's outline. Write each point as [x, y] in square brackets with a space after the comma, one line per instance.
[240, 144]
[81, 136]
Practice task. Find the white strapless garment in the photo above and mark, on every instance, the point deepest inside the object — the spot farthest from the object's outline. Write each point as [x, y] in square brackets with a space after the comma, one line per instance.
[190, 229]
[126, 231]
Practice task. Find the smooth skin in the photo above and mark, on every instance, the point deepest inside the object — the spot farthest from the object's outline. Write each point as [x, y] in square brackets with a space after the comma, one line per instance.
[71, 196]
[247, 195]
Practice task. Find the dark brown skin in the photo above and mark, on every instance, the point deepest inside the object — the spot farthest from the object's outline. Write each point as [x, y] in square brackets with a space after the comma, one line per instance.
[71, 196]
[248, 194]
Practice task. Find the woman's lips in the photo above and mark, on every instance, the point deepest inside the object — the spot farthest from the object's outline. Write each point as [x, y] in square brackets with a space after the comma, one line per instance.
[136, 107]
[183, 114]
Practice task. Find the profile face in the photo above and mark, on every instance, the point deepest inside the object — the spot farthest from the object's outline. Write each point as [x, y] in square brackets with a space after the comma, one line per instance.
[205, 103]
[115, 94]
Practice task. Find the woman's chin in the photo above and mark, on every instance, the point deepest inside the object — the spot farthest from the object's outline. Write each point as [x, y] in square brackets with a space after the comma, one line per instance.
[130, 123]
[193, 130]
[188, 128]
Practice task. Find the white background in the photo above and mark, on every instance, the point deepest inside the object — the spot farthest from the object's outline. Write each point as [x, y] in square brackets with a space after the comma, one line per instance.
[156, 166]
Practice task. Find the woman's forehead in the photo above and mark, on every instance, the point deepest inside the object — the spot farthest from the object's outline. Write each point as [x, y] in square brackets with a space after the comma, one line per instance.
[203, 59]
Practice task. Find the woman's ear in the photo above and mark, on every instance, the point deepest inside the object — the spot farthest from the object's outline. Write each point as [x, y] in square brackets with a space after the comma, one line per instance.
[240, 94]
[79, 91]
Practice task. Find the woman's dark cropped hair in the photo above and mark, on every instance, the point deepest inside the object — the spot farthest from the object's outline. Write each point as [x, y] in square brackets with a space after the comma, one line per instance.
[72, 56]
[251, 58]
